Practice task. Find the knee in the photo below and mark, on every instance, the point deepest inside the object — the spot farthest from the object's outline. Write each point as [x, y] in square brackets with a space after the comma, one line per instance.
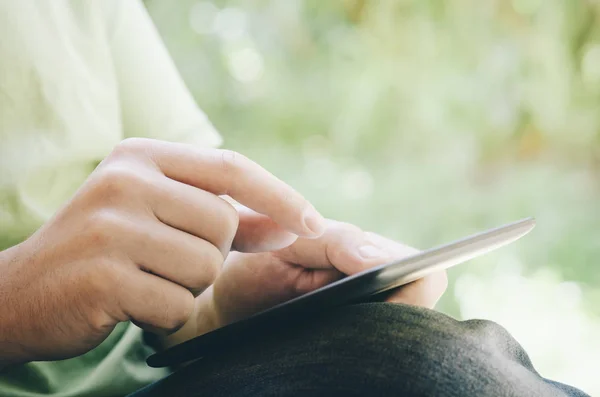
[374, 349]
[415, 351]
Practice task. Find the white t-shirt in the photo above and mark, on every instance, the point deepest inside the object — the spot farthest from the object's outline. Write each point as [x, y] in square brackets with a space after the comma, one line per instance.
[76, 78]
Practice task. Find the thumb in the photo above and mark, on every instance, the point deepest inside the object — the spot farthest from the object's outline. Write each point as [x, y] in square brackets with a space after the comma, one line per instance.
[259, 233]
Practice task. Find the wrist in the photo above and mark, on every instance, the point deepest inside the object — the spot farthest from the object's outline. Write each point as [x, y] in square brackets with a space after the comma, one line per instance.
[12, 350]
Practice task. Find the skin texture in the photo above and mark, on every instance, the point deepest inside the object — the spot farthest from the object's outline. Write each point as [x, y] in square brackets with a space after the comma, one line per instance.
[147, 239]
[145, 234]
[251, 282]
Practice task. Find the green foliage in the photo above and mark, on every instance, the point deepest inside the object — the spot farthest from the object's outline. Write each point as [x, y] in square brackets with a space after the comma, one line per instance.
[425, 120]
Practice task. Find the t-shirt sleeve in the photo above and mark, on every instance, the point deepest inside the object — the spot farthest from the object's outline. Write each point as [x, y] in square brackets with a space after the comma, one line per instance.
[155, 102]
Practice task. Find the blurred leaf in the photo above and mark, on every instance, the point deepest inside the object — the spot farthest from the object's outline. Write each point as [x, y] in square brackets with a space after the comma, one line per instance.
[425, 120]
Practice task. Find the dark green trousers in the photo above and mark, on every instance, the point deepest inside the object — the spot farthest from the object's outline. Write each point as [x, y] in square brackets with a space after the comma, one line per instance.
[373, 349]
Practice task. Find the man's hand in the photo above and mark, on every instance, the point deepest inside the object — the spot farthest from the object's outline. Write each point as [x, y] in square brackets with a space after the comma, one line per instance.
[144, 235]
[250, 283]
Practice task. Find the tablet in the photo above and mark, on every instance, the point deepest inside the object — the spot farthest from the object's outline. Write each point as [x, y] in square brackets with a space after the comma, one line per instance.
[360, 287]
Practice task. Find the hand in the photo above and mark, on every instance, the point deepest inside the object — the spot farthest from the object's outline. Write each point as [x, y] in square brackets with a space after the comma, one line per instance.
[144, 235]
[250, 283]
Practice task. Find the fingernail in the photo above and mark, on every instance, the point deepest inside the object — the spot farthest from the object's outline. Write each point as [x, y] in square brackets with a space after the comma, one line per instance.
[371, 252]
[314, 221]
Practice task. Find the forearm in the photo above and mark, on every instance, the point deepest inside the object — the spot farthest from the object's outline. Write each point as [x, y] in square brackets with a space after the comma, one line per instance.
[11, 350]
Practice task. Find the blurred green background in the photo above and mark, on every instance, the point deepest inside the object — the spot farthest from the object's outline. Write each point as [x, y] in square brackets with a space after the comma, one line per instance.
[425, 120]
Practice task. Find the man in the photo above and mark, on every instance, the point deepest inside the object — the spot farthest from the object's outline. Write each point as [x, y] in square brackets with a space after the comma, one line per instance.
[150, 237]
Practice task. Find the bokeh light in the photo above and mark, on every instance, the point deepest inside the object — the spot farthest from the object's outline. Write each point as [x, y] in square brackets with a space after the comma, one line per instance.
[426, 121]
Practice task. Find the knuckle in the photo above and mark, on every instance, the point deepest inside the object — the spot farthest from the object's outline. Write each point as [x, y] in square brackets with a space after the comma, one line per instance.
[204, 270]
[231, 162]
[289, 200]
[118, 180]
[173, 320]
[345, 227]
[177, 314]
[102, 227]
[105, 280]
[211, 267]
[105, 220]
[231, 220]
[128, 149]
[131, 146]
[337, 253]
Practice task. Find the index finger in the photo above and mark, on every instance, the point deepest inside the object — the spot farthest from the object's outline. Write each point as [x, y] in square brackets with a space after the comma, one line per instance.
[224, 172]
